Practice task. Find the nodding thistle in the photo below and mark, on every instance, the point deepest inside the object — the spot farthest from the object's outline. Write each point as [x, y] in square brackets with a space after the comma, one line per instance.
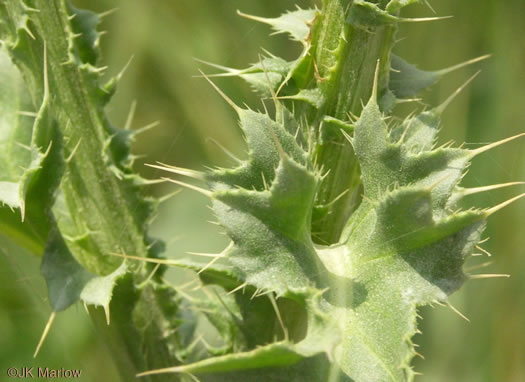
[342, 221]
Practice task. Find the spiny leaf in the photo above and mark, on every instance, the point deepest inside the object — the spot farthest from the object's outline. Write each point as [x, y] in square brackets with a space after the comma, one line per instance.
[285, 206]
[364, 14]
[264, 158]
[98, 290]
[395, 5]
[84, 24]
[264, 77]
[30, 161]
[406, 80]
[384, 164]
[417, 133]
[402, 247]
[321, 338]
[64, 276]
[405, 221]
[312, 96]
[68, 282]
[349, 307]
[21, 157]
[77, 109]
[295, 23]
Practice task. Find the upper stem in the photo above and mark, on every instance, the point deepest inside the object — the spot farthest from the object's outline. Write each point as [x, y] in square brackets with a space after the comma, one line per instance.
[346, 58]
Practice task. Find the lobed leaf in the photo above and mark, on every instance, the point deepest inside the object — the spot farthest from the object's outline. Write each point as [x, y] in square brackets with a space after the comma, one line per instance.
[294, 23]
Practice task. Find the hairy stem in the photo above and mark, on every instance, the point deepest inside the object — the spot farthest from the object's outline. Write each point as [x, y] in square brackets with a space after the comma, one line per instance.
[345, 58]
[99, 208]
[103, 207]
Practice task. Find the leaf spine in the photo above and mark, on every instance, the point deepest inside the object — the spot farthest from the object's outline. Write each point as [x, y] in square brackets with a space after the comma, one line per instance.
[476, 190]
[190, 186]
[500, 206]
[221, 93]
[45, 333]
[490, 146]
[441, 108]
[178, 170]
[488, 276]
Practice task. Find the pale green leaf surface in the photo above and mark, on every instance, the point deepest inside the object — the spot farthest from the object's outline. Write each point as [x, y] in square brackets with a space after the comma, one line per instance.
[264, 76]
[402, 248]
[264, 159]
[30, 162]
[98, 290]
[280, 183]
[385, 164]
[19, 159]
[295, 23]
[417, 133]
[395, 5]
[312, 96]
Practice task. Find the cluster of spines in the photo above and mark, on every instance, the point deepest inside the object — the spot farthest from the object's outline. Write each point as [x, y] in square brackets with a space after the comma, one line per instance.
[400, 136]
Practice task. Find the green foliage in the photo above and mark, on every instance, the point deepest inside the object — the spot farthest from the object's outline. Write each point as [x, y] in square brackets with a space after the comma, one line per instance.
[86, 202]
[341, 225]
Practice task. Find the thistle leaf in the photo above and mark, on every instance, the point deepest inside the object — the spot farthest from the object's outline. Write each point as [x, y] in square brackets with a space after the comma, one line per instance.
[98, 290]
[68, 282]
[364, 14]
[384, 164]
[30, 162]
[19, 159]
[264, 77]
[321, 338]
[402, 248]
[84, 25]
[64, 276]
[264, 157]
[407, 81]
[295, 23]
[395, 5]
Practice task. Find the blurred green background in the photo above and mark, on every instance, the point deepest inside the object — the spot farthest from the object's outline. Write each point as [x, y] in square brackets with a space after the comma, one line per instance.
[164, 37]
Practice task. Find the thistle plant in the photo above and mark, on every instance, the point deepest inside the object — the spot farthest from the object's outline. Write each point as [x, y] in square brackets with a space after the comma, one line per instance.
[342, 221]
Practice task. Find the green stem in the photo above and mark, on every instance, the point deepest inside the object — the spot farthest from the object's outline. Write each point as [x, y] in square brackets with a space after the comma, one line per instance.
[346, 58]
[103, 205]
[99, 208]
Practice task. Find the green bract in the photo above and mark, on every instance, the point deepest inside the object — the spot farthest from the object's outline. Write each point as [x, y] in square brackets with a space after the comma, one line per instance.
[341, 224]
